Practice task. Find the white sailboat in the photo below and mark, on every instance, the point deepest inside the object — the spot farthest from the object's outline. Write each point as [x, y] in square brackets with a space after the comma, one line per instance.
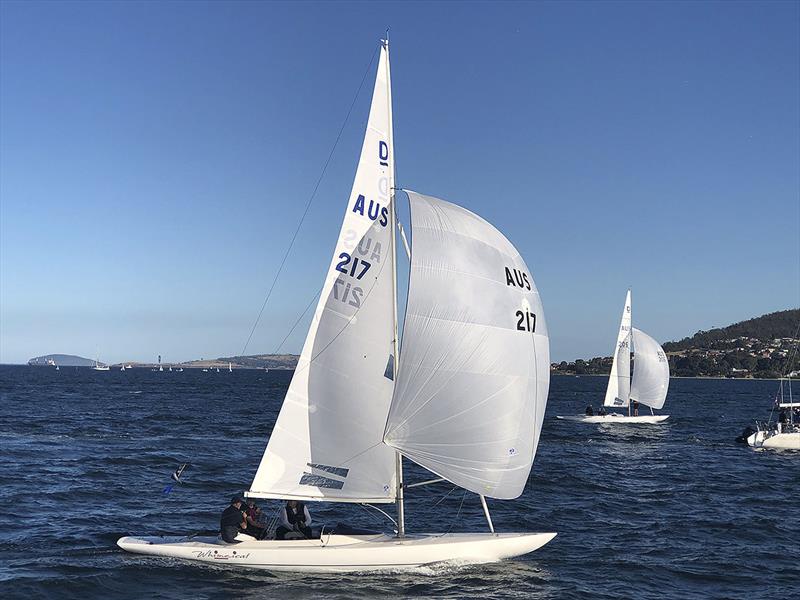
[230, 368]
[98, 367]
[466, 399]
[650, 376]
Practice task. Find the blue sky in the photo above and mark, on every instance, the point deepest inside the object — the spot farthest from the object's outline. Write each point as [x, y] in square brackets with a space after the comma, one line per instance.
[156, 157]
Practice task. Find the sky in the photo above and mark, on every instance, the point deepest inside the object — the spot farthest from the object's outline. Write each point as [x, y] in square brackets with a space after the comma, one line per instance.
[156, 158]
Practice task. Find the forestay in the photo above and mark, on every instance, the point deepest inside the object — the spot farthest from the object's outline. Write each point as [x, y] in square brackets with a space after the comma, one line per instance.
[474, 369]
[650, 371]
[619, 382]
[327, 441]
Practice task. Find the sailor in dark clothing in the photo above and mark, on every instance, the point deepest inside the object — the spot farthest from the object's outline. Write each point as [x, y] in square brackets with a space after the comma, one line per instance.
[589, 411]
[782, 420]
[635, 408]
[232, 520]
[601, 411]
[294, 517]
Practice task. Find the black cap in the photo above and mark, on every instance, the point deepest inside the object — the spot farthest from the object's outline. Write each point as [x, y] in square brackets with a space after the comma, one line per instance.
[235, 499]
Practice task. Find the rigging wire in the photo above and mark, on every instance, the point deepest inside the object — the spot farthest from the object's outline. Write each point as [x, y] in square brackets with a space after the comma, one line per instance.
[297, 322]
[308, 203]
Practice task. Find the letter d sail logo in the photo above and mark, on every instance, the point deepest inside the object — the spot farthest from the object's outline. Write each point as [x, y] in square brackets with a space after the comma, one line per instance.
[383, 153]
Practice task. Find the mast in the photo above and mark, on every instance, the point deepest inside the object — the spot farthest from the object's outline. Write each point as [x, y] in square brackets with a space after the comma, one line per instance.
[401, 526]
[630, 351]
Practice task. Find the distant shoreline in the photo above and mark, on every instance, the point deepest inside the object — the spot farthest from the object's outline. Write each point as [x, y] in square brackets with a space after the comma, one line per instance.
[284, 368]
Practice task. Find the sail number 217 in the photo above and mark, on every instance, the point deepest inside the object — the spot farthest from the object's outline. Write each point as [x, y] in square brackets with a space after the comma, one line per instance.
[526, 321]
[351, 265]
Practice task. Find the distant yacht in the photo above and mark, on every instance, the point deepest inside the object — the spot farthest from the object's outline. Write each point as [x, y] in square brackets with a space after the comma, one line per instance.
[57, 369]
[230, 368]
[122, 368]
[205, 370]
[97, 366]
[650, 380]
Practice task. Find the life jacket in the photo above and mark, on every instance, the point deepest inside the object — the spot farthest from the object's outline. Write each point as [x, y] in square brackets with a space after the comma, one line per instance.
[296, 515]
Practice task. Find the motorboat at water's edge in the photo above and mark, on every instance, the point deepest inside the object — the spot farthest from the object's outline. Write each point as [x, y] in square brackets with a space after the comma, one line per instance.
[343, 553]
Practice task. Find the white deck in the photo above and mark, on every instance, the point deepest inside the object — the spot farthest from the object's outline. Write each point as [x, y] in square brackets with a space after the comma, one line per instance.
[343, 553]
[615, 418]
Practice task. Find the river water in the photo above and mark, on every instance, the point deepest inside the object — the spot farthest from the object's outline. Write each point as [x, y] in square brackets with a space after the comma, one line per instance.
[676, 510]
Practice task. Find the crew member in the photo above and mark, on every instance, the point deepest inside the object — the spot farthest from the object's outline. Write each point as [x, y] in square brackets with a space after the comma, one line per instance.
[294, 517]
[252, 514]
[589, 411]
[635, 408]
[232, 521]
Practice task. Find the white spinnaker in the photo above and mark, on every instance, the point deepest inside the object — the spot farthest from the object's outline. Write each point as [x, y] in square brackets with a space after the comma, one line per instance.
[474, 368]
[619, 382]
[650, 371]
[327, 440]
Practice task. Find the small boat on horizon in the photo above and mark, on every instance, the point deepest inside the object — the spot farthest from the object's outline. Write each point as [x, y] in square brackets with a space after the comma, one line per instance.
[98, 367]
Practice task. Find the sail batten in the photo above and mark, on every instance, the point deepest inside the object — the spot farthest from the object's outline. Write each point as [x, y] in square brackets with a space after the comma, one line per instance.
[327, 440]
[474, 373]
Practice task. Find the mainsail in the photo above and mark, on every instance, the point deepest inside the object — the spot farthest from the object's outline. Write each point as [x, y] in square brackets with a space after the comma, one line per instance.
[650, 371]
[474, 371]
[619, 382]
[327, 441]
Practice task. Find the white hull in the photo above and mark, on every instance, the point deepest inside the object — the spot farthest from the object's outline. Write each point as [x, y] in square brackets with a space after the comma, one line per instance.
[615, 418]
[343, 553]
[784, 441]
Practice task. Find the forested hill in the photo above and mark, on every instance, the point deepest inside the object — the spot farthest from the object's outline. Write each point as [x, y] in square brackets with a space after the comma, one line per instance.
[782, 324]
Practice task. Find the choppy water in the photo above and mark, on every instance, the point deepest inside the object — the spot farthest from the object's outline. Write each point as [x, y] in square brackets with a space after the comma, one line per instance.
[675, 510]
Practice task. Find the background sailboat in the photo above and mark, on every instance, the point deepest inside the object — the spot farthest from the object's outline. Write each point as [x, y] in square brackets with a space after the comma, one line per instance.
[650, 380]
[466, 399]
[99, 367]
